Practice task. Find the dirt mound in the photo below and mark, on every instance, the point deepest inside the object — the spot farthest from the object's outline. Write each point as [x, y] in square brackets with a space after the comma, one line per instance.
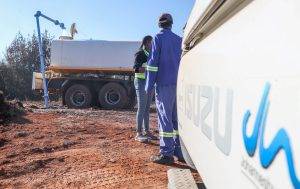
[9, 110]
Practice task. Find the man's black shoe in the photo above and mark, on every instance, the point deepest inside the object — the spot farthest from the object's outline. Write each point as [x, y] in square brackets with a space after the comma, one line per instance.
[150, 136]
[182, 160]
[161, 159]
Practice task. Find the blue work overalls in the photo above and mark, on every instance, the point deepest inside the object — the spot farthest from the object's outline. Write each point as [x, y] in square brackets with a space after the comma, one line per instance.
[162, 71]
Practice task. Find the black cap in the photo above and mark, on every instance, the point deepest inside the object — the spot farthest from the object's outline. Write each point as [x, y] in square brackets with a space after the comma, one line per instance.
[165, 18]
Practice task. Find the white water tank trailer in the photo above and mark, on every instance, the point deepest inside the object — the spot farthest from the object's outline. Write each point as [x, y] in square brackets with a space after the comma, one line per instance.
[91, 73]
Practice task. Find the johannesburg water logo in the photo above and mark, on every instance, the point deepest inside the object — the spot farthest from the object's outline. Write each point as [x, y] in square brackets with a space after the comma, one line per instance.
[280, 142]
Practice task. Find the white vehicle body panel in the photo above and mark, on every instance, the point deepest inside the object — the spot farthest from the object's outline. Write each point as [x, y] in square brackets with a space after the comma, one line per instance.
[229, 71]
[198, 10]
[93, 54]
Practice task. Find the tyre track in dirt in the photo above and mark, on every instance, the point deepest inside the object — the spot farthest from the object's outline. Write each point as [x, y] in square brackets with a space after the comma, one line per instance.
[78, 149]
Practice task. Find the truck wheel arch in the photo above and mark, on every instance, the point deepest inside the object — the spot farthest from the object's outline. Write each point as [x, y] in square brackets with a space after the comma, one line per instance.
[186, 155]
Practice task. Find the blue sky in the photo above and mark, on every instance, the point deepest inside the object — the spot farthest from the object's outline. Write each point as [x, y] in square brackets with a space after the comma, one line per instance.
[95, 19]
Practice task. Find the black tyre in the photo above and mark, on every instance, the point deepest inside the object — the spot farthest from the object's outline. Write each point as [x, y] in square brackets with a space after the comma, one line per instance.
[113, 96]
[131, 103]
[78, 96]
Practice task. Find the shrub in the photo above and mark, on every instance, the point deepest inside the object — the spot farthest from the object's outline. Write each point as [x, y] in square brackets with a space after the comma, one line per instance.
[21, 60]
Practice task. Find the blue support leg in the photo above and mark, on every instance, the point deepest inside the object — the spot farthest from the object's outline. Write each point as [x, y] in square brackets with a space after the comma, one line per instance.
[42, 59]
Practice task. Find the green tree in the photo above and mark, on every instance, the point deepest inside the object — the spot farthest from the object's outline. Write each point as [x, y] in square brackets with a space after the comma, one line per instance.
[21, 60]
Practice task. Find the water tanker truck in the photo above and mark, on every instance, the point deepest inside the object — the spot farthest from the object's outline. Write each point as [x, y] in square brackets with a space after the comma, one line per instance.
[91, 72]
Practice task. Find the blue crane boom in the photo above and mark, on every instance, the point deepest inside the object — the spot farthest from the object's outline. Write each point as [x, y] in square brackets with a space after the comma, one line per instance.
[41, 53]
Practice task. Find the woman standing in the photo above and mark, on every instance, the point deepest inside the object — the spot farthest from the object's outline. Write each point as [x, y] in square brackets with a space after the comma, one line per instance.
[143, 99]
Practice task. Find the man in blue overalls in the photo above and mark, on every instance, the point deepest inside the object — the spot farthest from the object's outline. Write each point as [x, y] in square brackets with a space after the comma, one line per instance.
[162, 71]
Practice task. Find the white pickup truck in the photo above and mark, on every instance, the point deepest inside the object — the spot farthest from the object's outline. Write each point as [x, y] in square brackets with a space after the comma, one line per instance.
[91, 72]
[238, 93]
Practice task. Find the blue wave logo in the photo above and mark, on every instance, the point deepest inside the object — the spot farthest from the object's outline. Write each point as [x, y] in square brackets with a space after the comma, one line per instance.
[280, 142]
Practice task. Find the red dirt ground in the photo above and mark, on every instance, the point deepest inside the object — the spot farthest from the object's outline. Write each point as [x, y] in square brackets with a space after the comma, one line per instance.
[63, 148]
